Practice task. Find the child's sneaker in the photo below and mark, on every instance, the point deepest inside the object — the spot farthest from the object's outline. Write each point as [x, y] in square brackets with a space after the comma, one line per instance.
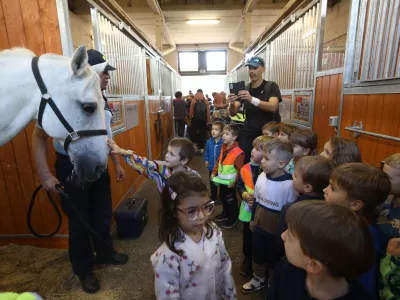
[221, 217]
[254, 285]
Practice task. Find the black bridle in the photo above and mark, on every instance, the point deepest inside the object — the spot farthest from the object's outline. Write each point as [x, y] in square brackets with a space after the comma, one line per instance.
[73, 135]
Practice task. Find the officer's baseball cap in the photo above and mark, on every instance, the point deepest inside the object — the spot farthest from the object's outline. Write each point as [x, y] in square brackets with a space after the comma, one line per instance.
[255, 62]
[95, 58]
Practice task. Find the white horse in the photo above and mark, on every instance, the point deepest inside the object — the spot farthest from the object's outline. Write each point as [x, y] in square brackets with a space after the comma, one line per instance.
[73, 85]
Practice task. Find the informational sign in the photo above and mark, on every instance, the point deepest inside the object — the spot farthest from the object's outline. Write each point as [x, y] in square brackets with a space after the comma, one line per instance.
[302, 107]
[117, 108]
[285, 108]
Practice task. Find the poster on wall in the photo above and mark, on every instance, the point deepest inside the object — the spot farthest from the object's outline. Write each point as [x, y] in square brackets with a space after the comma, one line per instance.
[117, 108]
[302, 107]
[285, 107]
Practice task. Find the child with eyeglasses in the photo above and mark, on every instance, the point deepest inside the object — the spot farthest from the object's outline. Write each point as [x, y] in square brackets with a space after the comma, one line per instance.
[192, 262]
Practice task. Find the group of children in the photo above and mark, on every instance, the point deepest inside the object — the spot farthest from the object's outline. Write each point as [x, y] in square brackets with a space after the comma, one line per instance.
[324, 223]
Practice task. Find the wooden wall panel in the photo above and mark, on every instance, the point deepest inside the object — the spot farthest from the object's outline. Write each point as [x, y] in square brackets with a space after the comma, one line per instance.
[32, 24]
[149, 92]
[380, 114]
[327, 103]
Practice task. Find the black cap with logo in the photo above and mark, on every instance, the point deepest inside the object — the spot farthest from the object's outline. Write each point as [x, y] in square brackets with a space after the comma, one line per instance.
[255, 62]
[95, 58]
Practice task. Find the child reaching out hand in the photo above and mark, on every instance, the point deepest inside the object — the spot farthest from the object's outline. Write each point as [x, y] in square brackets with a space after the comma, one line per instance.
[192, 262]
[180, 153]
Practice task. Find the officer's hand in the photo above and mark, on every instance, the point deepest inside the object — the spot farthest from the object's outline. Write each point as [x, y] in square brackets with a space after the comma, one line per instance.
[232, 98]
[212, 177]
[49, 183]
[206, 163]
[244, 95]
[119, 172]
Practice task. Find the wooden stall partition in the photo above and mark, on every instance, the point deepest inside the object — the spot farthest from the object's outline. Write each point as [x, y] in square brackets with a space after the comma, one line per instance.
[380, 114]
[32, 24]
[154, 105]
[327, 103]
[148, 75]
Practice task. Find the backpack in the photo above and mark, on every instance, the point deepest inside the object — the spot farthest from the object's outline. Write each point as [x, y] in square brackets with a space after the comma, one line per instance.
[200, 110]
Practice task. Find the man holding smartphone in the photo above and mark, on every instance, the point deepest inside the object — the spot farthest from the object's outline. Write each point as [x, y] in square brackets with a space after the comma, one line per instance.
[260, 103]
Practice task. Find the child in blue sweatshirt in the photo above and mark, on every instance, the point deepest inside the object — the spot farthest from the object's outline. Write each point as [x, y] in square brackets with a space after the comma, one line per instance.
[213, 149]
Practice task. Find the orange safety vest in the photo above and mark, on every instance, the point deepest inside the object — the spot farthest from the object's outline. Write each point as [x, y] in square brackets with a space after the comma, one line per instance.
[226, 169]
[247, 177]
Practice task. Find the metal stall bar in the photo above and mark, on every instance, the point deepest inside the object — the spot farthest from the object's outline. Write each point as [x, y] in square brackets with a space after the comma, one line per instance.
[377, 41]
[394, 39]
[146, 104]
[297, 54]
[381, 67]
[378, 135]
[368, 43]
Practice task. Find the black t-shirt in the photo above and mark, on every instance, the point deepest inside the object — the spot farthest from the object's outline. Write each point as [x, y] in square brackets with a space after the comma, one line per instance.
[255, 117]
[289, 283]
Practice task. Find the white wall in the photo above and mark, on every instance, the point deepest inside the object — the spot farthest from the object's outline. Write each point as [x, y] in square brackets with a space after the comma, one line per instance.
[208, 83]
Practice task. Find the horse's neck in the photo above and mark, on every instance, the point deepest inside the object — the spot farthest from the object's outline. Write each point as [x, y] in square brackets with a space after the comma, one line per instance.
[20, 96]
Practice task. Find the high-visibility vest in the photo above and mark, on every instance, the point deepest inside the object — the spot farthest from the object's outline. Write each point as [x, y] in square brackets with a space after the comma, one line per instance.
[247, 177]
[227, 172]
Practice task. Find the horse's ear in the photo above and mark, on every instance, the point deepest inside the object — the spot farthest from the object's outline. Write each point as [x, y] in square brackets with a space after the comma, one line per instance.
[79, 61]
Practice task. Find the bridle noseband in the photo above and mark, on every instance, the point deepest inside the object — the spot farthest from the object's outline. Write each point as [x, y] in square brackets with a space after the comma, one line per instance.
[73, 135]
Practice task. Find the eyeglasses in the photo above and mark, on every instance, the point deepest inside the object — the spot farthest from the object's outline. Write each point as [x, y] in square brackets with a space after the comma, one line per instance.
[192, 213]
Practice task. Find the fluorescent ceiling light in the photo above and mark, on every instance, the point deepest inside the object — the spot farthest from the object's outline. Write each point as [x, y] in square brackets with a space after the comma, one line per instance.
[202, 22]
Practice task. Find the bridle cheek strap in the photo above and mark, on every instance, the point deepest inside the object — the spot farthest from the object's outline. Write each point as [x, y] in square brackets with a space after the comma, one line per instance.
[73, 135]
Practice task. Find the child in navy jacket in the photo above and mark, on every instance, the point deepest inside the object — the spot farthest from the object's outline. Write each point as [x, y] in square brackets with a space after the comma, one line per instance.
[213, 149]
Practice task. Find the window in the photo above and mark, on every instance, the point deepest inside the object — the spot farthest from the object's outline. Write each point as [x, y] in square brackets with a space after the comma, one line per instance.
[188, 61]
[202, 62]
[216, 60]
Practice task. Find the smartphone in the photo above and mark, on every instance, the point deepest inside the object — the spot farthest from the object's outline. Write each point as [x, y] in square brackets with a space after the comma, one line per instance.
[236, 87]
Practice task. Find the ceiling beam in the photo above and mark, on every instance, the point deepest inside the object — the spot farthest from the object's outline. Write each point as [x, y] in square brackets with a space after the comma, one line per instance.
[286, 11]
[233, 6]
[161, 28]
[245, 20]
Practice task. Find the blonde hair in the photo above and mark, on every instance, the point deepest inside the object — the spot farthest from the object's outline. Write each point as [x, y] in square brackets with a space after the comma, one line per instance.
[261, 140]
[393, 160]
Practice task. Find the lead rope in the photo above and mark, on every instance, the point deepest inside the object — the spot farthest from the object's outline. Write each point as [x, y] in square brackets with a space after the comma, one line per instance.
[57, 210]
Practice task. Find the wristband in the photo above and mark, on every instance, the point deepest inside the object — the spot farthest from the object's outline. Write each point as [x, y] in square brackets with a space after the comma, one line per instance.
[255, 101]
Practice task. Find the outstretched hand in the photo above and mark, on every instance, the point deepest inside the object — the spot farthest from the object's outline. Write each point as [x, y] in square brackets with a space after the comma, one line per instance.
[115, 149]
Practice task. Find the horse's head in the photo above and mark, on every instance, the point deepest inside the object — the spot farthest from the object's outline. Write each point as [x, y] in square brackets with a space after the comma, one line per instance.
[75, 89]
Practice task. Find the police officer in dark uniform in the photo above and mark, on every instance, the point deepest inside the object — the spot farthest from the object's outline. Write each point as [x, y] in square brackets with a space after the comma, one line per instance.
[93, 201]
[260, 103]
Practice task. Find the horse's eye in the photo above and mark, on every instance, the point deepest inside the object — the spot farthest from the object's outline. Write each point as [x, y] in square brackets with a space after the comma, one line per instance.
[89, 107]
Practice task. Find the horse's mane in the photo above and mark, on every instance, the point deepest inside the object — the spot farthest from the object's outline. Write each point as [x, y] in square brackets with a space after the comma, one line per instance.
[17, 51]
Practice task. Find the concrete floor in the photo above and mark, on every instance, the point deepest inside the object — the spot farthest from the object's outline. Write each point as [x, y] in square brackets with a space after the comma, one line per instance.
[135, 280]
